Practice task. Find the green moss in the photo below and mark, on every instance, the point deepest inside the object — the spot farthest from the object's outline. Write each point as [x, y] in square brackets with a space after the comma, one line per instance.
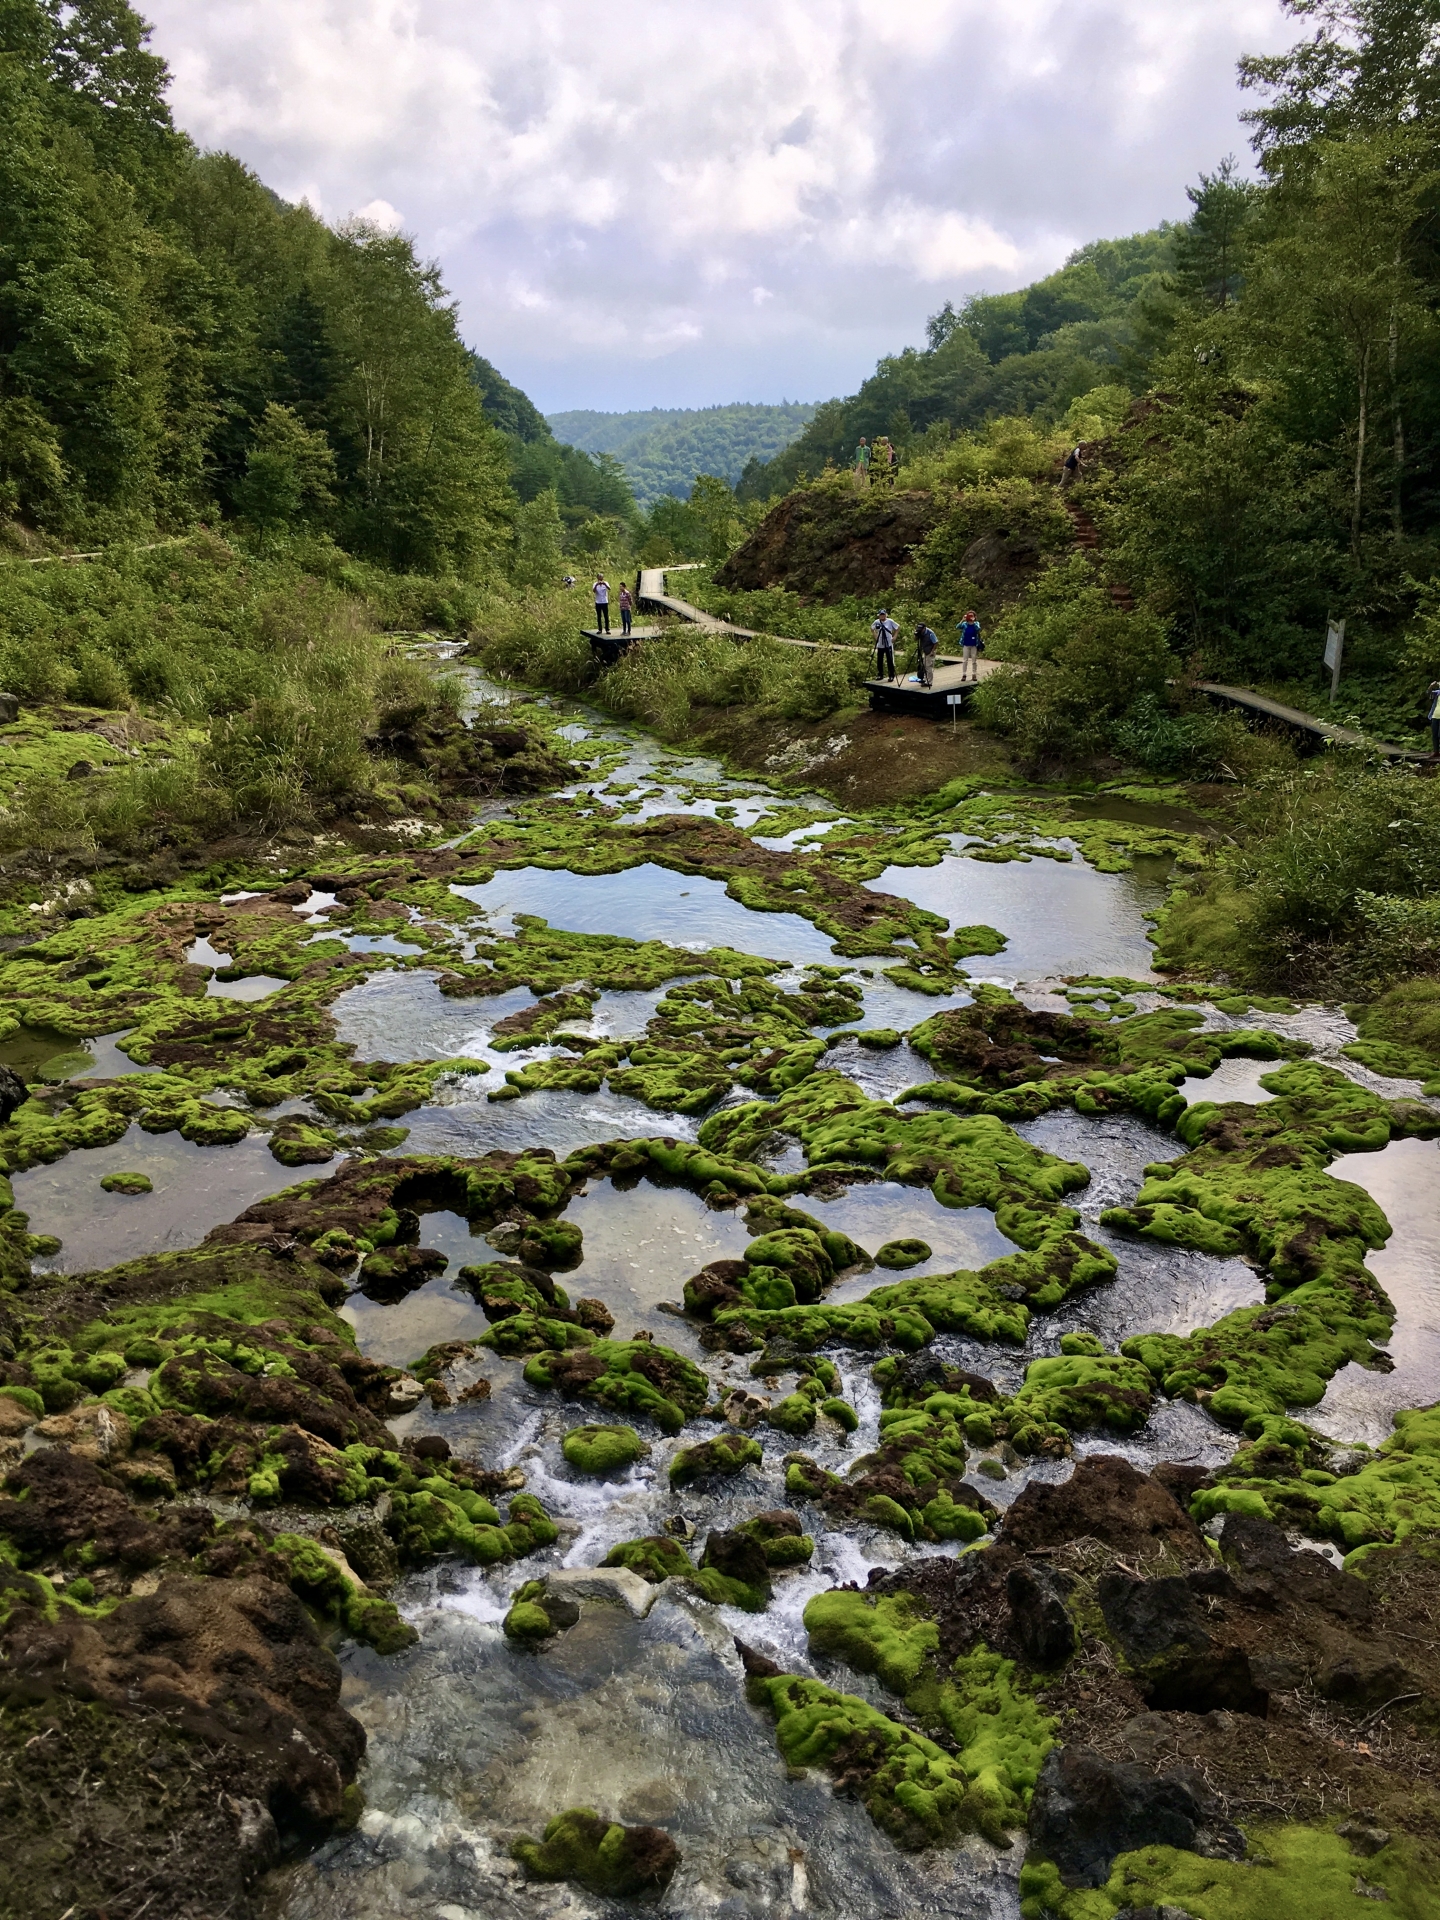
[320, 1583]
[729, 1453]
[888, 1637]
[779, 1538]
[436, 1516]
[654, 1558]
[1080, 1390]
[126, 1183]
[597, 1854]
[602, 1451]
[1301, 1873]
[902, 1253]
[527, 1621]
[635, 1377]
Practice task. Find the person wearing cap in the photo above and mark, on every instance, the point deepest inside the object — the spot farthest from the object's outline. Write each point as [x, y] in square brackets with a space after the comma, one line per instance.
[885, 631]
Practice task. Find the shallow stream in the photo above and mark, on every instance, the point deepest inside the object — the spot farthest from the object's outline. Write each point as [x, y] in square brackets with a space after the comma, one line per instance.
[472, 1740]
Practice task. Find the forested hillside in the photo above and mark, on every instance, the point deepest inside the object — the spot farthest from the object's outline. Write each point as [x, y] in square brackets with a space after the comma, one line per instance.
[662, 451]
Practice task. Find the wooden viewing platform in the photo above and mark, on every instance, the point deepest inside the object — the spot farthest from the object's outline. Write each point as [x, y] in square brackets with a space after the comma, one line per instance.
[938, 702]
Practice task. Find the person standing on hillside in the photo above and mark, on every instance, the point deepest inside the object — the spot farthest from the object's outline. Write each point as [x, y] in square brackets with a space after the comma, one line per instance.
[1432, 714]
[927, 643]
[1070, 472]
[892, 459]
[602, 604]
[885, 631]
[862, 465]
[971, 645]
[627, 607]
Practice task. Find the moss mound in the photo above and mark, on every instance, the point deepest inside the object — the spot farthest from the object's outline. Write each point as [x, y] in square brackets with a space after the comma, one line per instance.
[602, 1451]
[600, 1855]
[898, 1254]
[127, 1183]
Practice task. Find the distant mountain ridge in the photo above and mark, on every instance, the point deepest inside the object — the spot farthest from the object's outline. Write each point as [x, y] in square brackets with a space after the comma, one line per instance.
[663, 448]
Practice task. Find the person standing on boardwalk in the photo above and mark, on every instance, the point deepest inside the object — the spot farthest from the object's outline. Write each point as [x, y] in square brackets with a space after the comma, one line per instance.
[971, 645]
[884, 630]
[862, 465]
[1432, 714]
[927, 643]
[627, 608]
[602, 605]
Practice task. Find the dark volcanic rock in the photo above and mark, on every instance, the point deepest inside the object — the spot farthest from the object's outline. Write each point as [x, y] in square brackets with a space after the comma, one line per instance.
[1086, 1810]
[1041, 1619]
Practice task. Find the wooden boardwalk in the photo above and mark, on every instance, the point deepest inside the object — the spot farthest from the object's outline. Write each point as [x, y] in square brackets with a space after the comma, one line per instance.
[1321, 732]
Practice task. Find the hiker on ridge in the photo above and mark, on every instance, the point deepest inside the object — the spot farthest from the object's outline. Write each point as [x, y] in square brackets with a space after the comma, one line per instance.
[1432, 714]
[1070, 472]
[862, 465]
[602, 604]
[885, 631]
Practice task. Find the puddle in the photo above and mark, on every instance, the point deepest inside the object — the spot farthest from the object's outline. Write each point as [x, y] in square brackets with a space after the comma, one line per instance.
[1231, 1080]
[651, 903]
[1058, 919]
[1404, 1180]
[195, 1188]
[255, 986]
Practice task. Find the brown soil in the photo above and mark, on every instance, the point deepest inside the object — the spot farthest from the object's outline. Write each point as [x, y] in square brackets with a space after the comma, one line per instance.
[826, 545]
[860, 758]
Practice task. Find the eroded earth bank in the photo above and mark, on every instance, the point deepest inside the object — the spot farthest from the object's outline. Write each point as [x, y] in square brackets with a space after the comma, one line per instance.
[688, 1349]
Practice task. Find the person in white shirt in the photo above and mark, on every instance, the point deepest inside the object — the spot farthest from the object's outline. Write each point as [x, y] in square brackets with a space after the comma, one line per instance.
[884, 630]
[602, 605]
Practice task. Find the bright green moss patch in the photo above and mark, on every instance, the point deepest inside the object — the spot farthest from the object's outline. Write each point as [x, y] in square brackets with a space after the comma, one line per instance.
[127, 1183]
[655, 1558]
[729, 1454]
[321, 1584]
[902, 1253]
[888, 1637]
[1299, 1873]
[600, 1855]
[602, 1451]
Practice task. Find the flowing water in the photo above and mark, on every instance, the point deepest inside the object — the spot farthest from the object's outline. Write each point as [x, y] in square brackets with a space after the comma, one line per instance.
[472, 1740]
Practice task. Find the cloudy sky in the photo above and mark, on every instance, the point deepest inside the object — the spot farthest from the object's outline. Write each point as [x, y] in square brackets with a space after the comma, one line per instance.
[681, 202]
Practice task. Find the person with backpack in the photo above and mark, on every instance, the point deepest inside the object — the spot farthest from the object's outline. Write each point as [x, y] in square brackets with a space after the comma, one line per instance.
[885, 631]
[927, 643]
[627, 608]
[971, 645]
[602, 605]
[1432, 714]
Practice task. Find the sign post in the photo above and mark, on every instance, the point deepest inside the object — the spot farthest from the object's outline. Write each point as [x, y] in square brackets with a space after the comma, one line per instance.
[1334, 648]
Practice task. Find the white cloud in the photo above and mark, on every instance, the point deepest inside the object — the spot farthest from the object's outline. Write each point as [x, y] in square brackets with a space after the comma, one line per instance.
[381, 214]
[680, 204]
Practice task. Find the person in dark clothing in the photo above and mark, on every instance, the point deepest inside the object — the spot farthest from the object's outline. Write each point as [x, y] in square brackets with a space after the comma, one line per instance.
[627, 609]
[884, 630]
[602, 605]
[1432, 714]
[927, 643]
[1070, 472]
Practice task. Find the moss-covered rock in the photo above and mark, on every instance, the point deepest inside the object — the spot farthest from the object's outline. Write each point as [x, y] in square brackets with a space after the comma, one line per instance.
[600, 1855]
[899, 1254]
[728, 1454]
[637, 1377]
[655, 1558]
[127, 1183]
[603, 1451]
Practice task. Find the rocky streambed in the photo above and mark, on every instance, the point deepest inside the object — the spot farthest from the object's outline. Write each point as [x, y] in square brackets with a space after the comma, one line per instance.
[687, 1349]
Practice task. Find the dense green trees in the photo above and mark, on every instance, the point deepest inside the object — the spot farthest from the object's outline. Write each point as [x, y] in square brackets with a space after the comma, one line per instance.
[664, 449]
[175, 342]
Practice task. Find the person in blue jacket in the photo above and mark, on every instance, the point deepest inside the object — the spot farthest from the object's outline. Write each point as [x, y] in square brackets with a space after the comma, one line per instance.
[971, 646]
